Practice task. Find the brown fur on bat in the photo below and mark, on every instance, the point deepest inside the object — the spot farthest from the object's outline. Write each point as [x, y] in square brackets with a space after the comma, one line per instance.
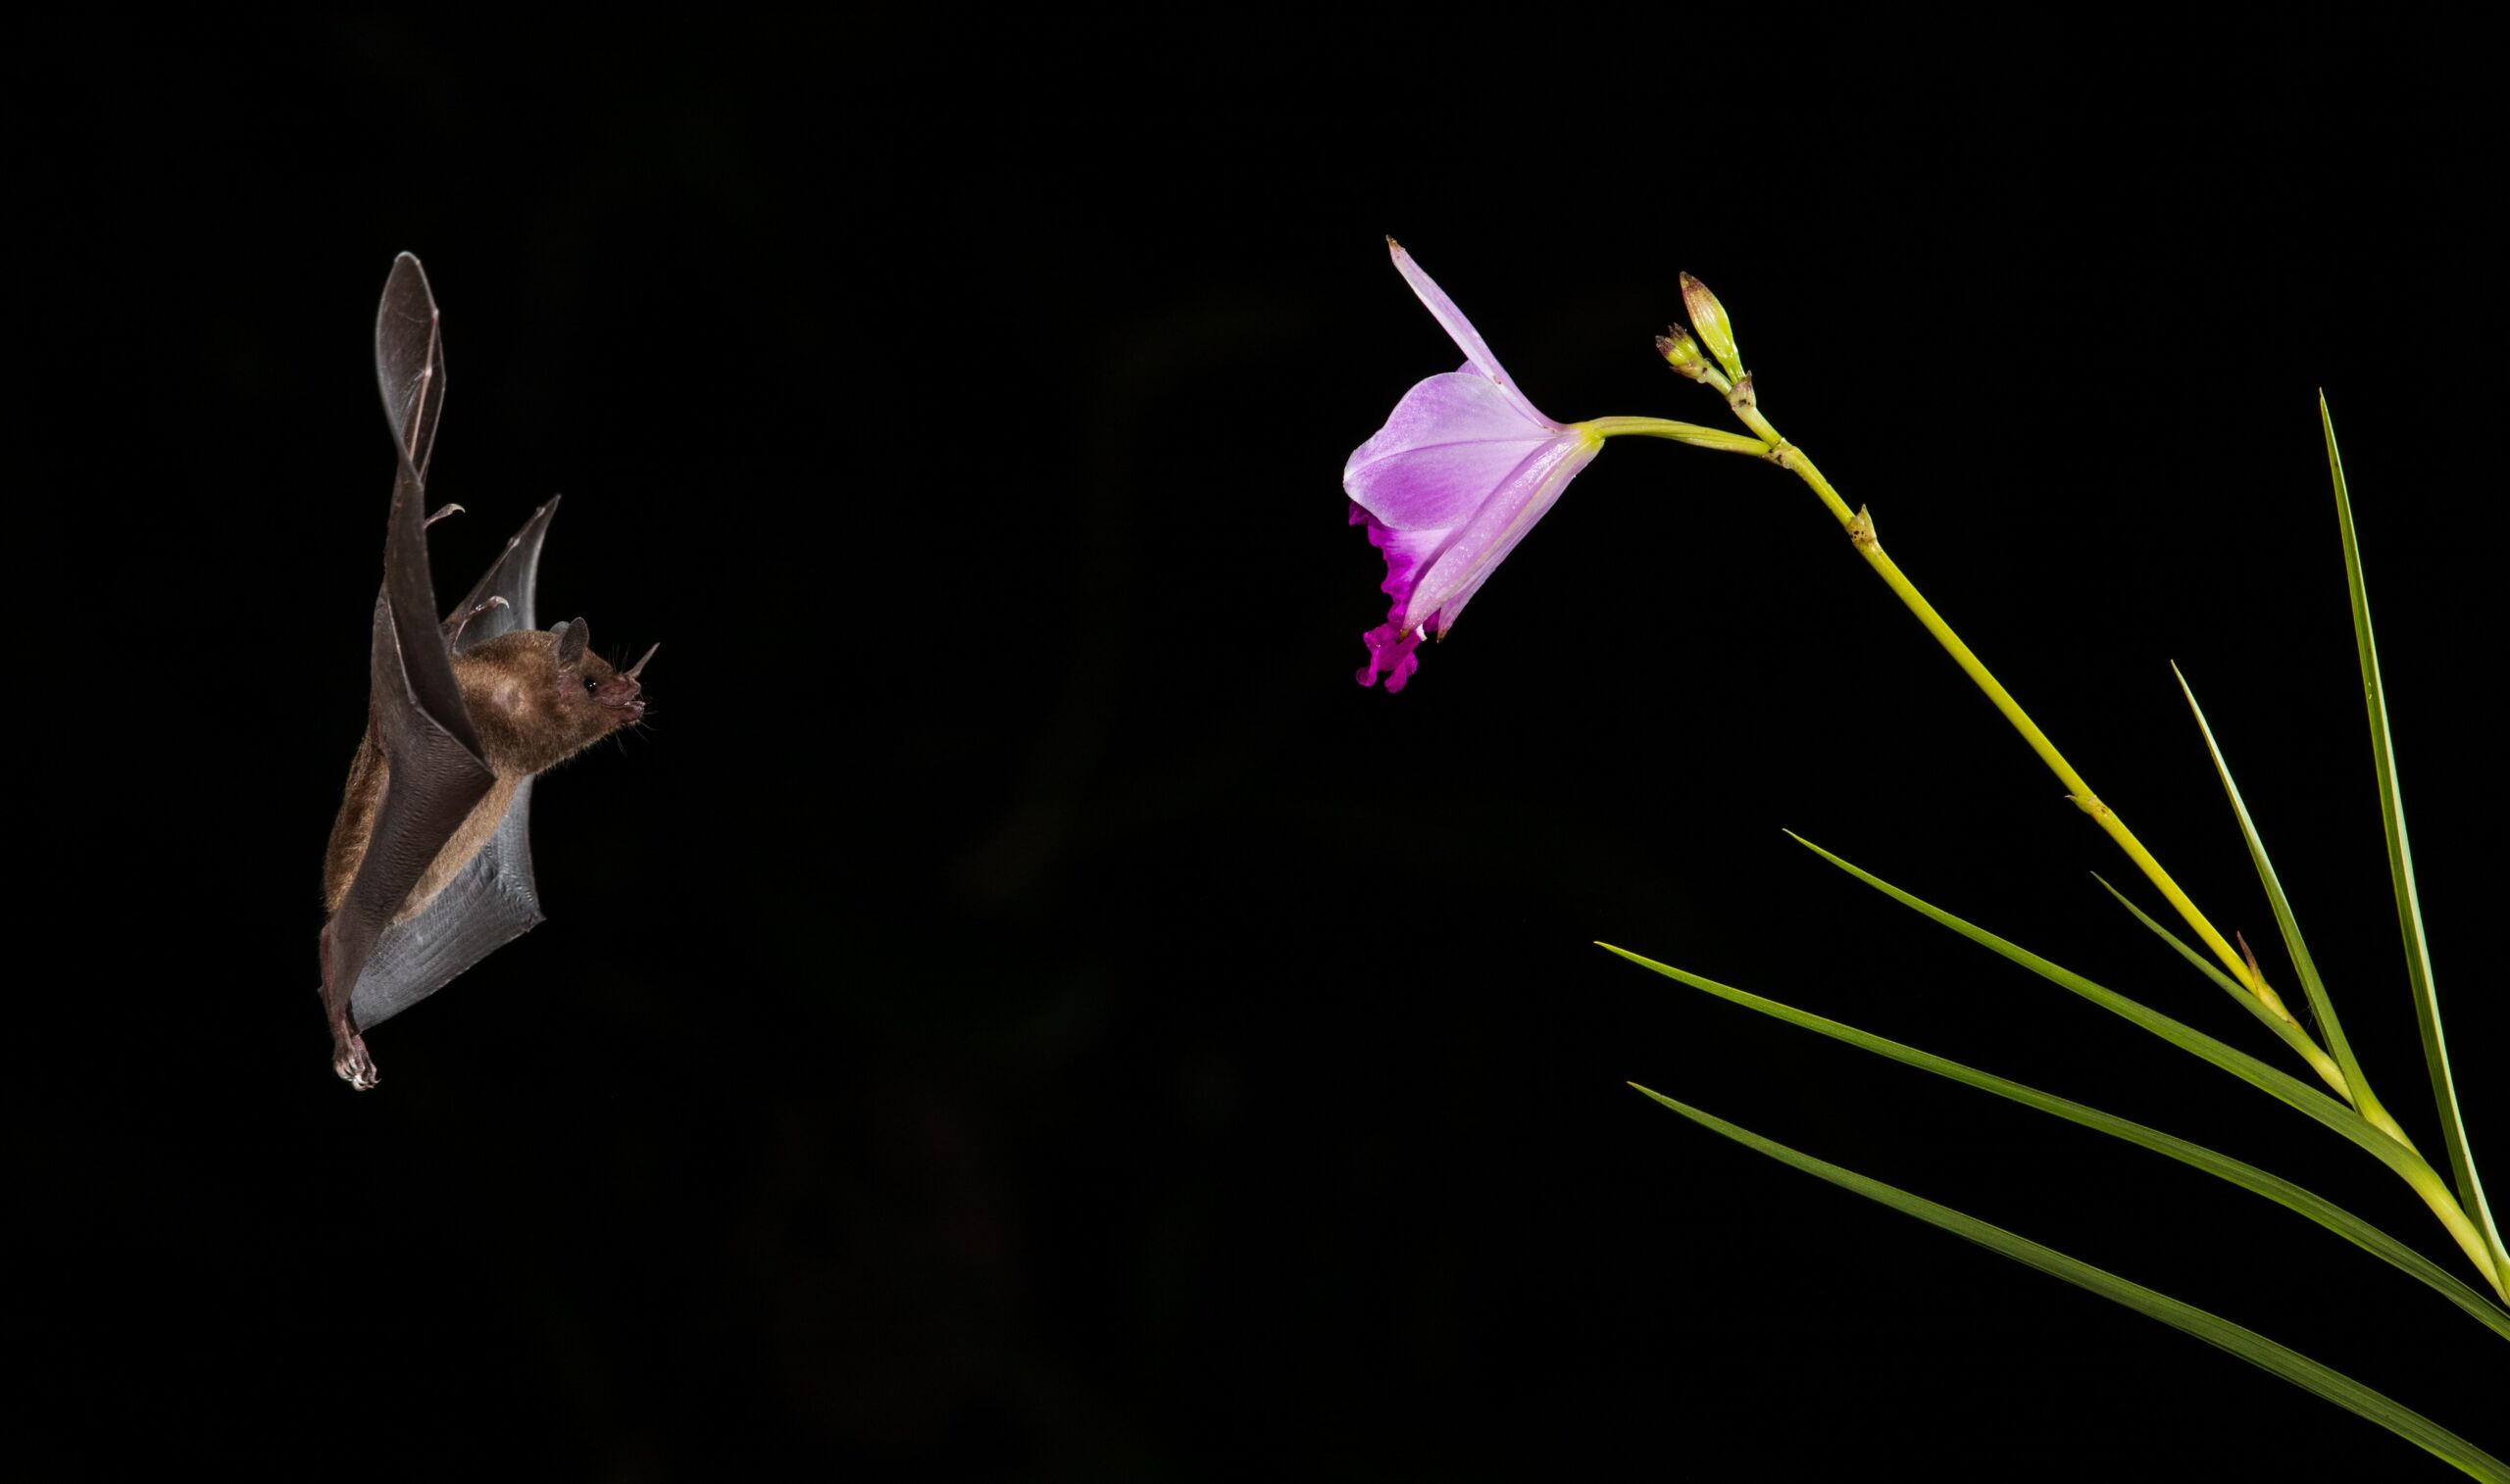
[429, 864]
[531, 713]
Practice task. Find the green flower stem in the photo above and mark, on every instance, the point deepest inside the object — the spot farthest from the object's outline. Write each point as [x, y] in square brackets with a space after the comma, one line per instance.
[1681, 432]
[1860, 528]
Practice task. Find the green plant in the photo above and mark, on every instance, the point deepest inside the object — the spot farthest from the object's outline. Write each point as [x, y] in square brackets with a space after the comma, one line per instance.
[2348, 1104]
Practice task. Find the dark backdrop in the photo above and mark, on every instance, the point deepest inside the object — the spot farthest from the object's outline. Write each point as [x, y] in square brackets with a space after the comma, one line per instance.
[1018, 1010]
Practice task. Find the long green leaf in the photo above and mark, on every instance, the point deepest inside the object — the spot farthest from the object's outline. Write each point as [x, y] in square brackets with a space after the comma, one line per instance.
[2409, 909]
[2247, 1176]
[2291, 1034]
[2247, 1343]
[2290, 927]
[2410, 1167]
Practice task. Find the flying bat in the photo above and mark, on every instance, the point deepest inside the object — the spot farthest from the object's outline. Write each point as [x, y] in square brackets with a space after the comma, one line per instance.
[429, 868]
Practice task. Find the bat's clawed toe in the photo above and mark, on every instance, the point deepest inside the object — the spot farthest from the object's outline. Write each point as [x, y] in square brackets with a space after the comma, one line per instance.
[355, 1067]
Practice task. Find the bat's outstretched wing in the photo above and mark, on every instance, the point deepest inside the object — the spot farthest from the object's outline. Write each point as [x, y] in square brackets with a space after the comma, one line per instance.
[419, 720]
[515, 577]
[409, 360]
[494, 900]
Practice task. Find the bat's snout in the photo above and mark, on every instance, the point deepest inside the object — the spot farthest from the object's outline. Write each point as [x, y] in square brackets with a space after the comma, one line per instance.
[624, 692]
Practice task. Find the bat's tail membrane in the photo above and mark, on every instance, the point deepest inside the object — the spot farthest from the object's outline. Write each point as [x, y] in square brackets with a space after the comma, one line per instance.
[491, 903]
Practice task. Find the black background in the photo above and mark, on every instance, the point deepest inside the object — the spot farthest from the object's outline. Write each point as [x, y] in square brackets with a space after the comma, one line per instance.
[1018, 1010]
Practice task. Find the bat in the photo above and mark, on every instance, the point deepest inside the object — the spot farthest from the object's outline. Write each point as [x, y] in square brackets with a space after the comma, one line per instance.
[428, 869]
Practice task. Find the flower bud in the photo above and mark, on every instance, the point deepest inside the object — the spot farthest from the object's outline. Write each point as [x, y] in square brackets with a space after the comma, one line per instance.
[1682, 353]
[1708, 320]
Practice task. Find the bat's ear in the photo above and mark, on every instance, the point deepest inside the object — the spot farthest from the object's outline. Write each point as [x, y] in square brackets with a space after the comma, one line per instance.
[574, 637]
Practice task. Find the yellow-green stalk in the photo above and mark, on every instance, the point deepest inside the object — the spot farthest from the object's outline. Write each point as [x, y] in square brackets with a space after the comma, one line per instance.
[1682, 353]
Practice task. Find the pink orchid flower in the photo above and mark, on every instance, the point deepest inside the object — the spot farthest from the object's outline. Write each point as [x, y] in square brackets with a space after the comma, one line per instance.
[1459, 474]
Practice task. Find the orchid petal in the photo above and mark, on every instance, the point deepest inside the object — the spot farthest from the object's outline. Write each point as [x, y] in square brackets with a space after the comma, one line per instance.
[1440, 594]
[1478, 357]
[1390, 644]
[1408, 555]
[1451, 440]
[1390, 654]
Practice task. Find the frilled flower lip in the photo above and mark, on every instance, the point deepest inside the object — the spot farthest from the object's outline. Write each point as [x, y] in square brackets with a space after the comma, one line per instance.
[1463, 468]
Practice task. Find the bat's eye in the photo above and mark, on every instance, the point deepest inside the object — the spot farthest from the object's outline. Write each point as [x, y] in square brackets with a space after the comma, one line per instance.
[592, 686]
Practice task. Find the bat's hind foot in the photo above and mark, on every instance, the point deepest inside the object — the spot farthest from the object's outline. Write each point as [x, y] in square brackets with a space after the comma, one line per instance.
[348, 1047]
[355, 1067]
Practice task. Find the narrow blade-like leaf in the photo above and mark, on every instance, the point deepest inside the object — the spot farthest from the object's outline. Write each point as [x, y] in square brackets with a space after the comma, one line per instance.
[2410, 1167]
[2290, 927]
[2409, 909]
[2291, 1034]
[2247, 1176]
[2247, 1343]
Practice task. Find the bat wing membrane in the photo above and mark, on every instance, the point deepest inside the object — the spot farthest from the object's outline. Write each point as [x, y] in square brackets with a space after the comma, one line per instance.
[495, 899]
[493, 902]
[409, 359]
[437, 775]
[514, 576]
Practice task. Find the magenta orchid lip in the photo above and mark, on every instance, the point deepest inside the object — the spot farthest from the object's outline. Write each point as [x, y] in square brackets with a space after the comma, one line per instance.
[1460, 472]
